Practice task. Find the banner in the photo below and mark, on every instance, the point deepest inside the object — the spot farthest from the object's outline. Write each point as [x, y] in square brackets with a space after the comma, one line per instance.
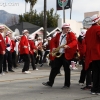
[67, 4]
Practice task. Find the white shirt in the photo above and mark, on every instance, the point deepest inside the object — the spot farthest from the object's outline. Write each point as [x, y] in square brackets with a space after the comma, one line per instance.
[9, 40]
[46, 43]
[36, 42]
[16, 47]
[62, 41]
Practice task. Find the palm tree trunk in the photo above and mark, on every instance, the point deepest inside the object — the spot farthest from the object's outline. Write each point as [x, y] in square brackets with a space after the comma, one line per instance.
[31, 7]
[25, 6]
[45, 19]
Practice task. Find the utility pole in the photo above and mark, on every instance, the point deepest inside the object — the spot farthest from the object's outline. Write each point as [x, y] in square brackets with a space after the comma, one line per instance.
[25, 6]
[45, 19]
[63, 11]
[71, 9]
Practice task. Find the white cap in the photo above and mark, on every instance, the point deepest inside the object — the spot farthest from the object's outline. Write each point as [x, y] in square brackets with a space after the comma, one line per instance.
[83, 32]
[24, 31]
[30, 37]
[45, 39]
[39, 38]
[2, 27]
[17, 37]
[95, 18]
[55, 34]
[49, 38]
[8, 32]
[65, 25]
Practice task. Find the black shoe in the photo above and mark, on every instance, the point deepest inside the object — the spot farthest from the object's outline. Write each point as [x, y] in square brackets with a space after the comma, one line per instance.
[41, 65]
[59, 74]
[86, 88]
[65, 87]
[5, 71]
[46, 84]
[11, 71]
[16, 67]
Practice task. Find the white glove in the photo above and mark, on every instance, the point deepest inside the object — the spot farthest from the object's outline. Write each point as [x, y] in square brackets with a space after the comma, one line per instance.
[25, 46]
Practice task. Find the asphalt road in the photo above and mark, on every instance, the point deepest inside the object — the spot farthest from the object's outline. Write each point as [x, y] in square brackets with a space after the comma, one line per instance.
[18, 86]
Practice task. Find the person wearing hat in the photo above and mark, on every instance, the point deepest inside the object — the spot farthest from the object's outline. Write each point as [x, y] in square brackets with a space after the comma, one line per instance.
[51, 58]
[2, 47]
[14, 53]
[68, 39]
[8, 55]
[31, 51]
[24, 51]
[85, 74]
[46, 52]
[92, 40]
[40, 50]
[82, 51]
[16, 48]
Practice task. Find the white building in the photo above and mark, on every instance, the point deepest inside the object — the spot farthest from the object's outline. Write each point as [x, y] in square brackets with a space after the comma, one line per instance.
[75, 26]
[89, 14]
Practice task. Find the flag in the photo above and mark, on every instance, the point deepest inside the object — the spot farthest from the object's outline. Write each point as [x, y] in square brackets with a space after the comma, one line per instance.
[67, 4]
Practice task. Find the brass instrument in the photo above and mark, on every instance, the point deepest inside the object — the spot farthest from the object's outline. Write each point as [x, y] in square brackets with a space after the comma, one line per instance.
[56, 51]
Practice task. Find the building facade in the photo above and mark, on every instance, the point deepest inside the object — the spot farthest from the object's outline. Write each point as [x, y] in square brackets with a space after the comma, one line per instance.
[75, 26]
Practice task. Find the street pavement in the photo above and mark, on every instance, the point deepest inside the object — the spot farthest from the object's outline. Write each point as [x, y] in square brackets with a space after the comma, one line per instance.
[18, 86]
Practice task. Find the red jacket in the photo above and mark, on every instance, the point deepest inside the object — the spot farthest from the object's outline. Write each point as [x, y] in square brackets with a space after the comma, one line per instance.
[82, 48]
[8, 42]
[2, 44]
[13, 46]
[39, 46]
[24, 42]
[32, 47]
[92, 40]
[71, 42]
[51, 47]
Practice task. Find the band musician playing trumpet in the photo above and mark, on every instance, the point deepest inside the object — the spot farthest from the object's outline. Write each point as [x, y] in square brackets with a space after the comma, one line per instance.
[67, 51]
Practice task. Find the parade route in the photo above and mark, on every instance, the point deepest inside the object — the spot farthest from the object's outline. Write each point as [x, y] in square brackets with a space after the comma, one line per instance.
[18, 86]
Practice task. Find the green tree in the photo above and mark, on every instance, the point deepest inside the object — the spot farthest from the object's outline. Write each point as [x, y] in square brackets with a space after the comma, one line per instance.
[38, 18]
[20, 18]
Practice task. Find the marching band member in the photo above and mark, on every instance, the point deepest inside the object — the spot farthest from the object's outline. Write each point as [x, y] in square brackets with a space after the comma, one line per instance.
[2, 47]
[16, 49]
[8, 55]
[50, 56]
[39, 46]
[69, 41]
[85, 74]
[82, 51]
[47, 49]
[24, 51]
[92, 40]
[31, 52]
[13, 53]
[36, 43]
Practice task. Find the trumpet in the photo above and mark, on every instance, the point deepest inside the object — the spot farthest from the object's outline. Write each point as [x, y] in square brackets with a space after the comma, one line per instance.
[56, 53]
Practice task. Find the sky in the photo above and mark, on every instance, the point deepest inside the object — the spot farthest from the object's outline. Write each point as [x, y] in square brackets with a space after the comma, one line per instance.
[79, 7]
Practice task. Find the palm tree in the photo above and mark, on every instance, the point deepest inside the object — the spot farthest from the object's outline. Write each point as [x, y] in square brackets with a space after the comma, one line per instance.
[32, 3]
[26, 1]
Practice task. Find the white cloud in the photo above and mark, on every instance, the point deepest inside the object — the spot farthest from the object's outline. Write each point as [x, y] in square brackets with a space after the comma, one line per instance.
[79, 7]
